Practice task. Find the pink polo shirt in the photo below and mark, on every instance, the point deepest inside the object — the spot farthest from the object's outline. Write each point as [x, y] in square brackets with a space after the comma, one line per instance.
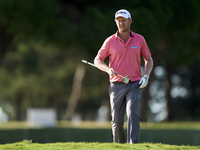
[124, 58]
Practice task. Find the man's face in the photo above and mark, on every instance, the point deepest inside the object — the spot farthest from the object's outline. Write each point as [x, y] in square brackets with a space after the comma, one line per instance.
[123, 24]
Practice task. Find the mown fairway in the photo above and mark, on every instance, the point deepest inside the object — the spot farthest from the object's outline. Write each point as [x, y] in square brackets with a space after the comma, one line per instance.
[27, 145]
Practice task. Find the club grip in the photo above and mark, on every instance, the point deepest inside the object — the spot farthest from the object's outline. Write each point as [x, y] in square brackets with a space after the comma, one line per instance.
[84, 61]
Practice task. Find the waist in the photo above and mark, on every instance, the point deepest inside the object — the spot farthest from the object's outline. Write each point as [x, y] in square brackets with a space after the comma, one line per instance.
[119, 82]
[119, 79]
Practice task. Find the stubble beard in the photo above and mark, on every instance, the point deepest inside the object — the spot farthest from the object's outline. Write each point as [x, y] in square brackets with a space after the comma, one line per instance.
[124, 29]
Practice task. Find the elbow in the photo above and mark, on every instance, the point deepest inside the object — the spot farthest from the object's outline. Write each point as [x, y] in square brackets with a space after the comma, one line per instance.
[151, 60]
[96, 60]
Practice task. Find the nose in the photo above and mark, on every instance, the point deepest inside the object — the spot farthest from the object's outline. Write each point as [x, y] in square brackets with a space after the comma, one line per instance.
[121, 22]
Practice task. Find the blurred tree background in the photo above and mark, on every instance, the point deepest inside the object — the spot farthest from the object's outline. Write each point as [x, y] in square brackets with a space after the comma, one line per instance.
[42, 44]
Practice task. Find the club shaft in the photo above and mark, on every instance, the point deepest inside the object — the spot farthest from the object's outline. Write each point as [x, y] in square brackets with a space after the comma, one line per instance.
[84, 61]
[120, 75]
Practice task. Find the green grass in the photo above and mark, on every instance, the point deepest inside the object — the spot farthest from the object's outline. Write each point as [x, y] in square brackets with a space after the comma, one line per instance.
[158, 127]
[27, 145]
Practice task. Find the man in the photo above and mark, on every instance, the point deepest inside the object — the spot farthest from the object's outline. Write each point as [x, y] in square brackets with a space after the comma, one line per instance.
[124, 50]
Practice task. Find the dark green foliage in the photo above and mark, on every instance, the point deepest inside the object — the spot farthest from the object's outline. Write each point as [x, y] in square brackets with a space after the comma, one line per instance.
[42, 42]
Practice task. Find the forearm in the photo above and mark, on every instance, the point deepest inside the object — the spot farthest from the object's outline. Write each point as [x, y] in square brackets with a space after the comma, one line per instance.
[148, 66]
[101, 65]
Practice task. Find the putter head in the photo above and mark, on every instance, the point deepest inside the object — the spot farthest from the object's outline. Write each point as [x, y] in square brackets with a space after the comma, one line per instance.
[125, 79]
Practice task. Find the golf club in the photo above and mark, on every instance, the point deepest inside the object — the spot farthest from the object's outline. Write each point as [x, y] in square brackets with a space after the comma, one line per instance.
[124, 79]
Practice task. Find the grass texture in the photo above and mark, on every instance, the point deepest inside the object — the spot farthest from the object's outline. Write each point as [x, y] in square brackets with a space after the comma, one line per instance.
[28, 145]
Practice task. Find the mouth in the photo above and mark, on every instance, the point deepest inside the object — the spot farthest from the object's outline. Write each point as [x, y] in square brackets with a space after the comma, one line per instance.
[122, 27]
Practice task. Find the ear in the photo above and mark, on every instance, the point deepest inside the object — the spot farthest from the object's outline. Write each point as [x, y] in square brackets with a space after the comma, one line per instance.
[130, 20]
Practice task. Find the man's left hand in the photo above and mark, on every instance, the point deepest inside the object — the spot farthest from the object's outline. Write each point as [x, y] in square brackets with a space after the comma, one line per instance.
[143, 81]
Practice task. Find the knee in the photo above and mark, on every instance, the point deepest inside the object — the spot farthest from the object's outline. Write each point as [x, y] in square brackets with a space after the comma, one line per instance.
[117, 123]
[133, 114]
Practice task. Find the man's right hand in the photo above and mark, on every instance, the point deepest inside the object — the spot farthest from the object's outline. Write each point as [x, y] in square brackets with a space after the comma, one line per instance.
[112, 72]
[101, 65]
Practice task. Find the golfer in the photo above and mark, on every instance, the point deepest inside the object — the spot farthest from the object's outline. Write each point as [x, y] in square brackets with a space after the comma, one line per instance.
[124, 50]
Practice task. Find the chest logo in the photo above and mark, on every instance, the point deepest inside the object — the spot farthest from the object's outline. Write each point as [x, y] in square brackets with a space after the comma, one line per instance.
[133, 46]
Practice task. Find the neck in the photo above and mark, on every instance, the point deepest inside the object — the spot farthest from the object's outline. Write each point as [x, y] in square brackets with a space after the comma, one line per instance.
[124, 35]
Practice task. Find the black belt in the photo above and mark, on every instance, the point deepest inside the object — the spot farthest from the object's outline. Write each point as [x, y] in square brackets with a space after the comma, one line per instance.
[125, 83]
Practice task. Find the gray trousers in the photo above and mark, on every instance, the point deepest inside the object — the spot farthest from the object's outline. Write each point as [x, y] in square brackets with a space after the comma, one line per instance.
[124, 98]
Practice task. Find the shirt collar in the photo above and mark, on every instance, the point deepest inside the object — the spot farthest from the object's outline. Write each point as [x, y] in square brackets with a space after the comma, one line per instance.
[131, 34]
